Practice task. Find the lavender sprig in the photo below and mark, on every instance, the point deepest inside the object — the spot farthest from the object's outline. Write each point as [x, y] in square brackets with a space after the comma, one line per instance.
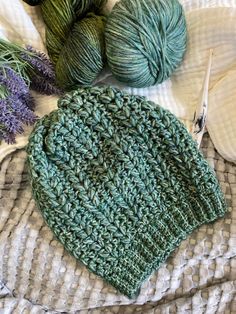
[8, 119]
[8, 137]
[28, 100]
[40, 63]
[20, 70]
[22, 111]
[14, 113]
[15, 105]
[42, 66]
[45, 87]
[29, 63]
[13, 82]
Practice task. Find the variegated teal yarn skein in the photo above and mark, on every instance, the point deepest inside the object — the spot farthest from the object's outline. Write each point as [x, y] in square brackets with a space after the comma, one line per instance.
[120, 182]
[145, 40]
[75, 39]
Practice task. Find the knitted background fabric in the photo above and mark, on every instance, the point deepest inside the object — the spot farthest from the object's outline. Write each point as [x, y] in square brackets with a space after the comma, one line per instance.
[120, 182]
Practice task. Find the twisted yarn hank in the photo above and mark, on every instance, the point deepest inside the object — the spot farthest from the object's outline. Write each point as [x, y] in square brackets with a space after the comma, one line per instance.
[120, 182]
[75, 39]
[145, 40]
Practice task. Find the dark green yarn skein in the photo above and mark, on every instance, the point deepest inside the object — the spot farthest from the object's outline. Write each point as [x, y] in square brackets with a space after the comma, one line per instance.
[145, 40]
[75, 39]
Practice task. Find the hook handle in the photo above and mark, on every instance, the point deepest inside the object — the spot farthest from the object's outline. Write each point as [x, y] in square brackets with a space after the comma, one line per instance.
[200, 115]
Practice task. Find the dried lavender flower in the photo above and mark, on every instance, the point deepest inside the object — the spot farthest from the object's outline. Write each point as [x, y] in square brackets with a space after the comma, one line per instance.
[28, 63]
[28, 100]
[9, 138]
[21, 69]
[13, 82]
[40, 63]
[22, 111]
[44, 86]
[8, 119]
[14, 113]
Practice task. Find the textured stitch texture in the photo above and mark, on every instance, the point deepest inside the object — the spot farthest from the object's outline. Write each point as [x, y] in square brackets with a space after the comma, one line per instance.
[38, 276]
[120, 182]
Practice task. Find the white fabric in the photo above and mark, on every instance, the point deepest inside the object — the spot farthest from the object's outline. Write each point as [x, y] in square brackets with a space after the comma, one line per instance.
[211, 24]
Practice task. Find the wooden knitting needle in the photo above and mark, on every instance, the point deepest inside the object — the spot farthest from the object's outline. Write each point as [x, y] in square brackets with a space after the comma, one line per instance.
[200, 115]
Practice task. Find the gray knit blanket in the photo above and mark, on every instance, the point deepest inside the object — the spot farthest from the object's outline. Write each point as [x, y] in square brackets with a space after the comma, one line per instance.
[38, 276]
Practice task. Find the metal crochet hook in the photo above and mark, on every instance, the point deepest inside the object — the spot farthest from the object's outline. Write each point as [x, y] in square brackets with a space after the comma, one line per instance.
[200, 115]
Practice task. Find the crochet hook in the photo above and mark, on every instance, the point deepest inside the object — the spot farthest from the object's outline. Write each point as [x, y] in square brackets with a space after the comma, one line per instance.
[200, 115]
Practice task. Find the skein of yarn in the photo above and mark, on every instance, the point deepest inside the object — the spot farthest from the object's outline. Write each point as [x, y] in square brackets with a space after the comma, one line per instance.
[145, 40]
[75, 39]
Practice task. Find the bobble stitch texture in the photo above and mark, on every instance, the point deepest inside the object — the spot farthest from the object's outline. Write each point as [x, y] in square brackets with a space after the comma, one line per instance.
[120, 182]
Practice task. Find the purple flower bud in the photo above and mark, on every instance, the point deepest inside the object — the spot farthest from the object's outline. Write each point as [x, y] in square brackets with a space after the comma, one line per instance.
[44, 86]
[9, 138]
[22, 111]
[14, 112]
[16, 102]
[7, 118]
[40, 63]
[28, 100]
[13, 82]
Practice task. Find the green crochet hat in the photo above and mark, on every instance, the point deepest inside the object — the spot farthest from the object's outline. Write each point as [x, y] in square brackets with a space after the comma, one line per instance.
[120, 182]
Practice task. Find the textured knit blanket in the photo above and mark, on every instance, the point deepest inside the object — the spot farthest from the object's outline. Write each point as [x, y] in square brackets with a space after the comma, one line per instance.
[38, 276]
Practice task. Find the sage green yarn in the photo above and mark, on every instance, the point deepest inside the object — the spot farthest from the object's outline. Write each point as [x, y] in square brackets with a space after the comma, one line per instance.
[75, 39]
[120, 182]
[145, 40]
